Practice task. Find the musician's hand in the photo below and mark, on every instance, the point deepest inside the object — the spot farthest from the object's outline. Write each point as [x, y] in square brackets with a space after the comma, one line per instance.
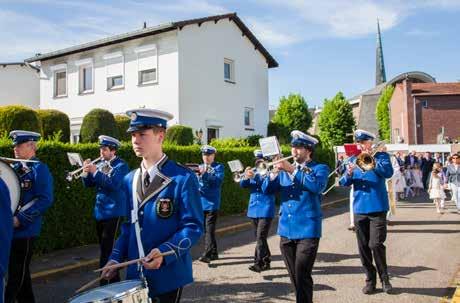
[153, 260]
[109, 274]
[286, 166]
[350, 169]
[249, 172]
[86, 162]
[16, 222]
[90, 168]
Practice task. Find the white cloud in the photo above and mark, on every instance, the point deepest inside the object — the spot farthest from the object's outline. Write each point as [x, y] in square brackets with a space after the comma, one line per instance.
[269, 33]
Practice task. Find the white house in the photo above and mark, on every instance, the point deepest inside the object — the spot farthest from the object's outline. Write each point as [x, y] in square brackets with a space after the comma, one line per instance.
[211, 73]
[19, 84]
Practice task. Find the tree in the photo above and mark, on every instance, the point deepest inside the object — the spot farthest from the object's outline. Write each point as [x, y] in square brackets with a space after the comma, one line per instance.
[293, 113]
[122, 122]
[179, 135]
[18, 117]
[53, 122]
[98, 122]
[336, 121]
[382, 112]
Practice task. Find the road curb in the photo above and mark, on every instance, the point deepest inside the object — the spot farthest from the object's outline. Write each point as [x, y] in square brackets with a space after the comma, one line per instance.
[94, 262]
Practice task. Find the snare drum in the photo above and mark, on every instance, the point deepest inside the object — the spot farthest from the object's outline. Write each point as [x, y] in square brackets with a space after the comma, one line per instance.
[11, 180]
[130, 291]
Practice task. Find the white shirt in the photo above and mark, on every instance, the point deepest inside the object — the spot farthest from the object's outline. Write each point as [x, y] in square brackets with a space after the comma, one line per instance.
[152, 171]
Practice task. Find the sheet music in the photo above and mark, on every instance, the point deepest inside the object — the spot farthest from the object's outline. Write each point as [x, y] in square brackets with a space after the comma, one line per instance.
[235, 166]
[75, 159]
[270, 146]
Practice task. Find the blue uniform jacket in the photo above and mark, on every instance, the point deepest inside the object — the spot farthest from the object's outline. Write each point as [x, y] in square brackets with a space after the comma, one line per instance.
[110, 198]
[6, 232]
[260, 205]
[179, 231]
[36, 197]
[300, 211]
[210, 187]
[369, 190]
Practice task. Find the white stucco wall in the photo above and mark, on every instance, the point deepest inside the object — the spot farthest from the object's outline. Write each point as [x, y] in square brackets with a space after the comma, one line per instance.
[203, 93]
[163, 95]
[19, 85]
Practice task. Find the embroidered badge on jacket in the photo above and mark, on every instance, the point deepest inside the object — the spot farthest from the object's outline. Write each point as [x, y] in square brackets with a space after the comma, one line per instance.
[164, 208]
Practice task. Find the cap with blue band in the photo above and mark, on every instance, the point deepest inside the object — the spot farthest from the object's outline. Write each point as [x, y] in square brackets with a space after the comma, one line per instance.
[21, 136]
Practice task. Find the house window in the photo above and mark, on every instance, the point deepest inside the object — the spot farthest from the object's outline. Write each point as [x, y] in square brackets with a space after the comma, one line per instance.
[229, 70]
[86, 79]
[213, 133]
[115, 70]
[60, 83]
[248, 118]
[147, 64]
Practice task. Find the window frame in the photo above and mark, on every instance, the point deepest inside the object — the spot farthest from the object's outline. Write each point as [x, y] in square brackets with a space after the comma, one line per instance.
[81, 79]
[231, 64]
[55, 83]
[249, 126]
[109, 80]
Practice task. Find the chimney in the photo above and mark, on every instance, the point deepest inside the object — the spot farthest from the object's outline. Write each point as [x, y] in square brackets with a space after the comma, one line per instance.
[145, 24]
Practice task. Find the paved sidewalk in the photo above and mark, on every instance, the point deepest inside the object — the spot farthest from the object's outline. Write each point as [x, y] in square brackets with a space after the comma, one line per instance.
[78, 258]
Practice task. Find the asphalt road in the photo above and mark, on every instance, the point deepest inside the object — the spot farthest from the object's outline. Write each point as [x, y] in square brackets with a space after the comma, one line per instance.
[422, 252]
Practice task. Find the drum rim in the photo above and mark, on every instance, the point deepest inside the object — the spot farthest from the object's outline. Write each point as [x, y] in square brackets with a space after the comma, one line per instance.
[18, 179]
[140, 286]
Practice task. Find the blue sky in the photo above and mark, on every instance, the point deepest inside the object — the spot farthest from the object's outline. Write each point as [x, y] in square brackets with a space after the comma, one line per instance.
[322, 46]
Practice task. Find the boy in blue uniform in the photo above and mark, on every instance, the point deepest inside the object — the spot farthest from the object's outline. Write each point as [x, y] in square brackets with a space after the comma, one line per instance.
[261, 211]
[6, 232]
[164, 210]
[211, 177]
[110, 204]
[301, 186]
[36, 198]
[370, 206]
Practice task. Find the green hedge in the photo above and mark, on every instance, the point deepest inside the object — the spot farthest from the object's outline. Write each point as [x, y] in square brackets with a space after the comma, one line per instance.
[69, 222]
[179, 135]
[122, 122]
[54, 121]
[19, 117]
[98, 122]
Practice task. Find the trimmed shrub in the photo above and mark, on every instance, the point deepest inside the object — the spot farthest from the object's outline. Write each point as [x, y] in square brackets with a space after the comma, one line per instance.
[253, 140]
[19, 117]
[98, 122]
[54, 121]
[229, 142]
[69, 222]
[179, 135]
[122, 126]
[279, 131]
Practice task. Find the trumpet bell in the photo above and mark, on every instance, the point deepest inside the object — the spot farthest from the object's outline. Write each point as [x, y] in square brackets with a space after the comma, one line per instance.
[237, 177]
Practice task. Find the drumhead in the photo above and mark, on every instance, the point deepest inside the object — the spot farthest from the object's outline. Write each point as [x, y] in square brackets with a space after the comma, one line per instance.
[106, 293]
[11, 180]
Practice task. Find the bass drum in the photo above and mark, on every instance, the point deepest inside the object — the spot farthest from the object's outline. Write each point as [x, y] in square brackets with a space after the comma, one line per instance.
[11, 179]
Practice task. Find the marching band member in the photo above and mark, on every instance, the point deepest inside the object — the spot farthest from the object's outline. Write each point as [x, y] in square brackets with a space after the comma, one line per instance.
[301, 186]
[164, 210]
[370, 207]
[211, 177]
[36, 198]
[110, 204]
[6, 232]
[261, 211]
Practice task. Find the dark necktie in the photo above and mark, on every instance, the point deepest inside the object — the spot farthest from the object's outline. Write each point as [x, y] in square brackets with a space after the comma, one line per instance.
[146, 181]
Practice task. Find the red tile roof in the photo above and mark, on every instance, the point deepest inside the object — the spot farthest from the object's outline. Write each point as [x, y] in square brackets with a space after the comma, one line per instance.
[427, 89]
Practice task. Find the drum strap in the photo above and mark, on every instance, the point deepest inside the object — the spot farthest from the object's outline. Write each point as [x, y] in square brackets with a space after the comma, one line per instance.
[27, 205]
[134, 215]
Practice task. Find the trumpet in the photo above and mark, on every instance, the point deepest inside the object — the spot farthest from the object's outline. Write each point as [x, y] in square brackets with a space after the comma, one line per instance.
[238, 176]
[263, 168]
[78, 173]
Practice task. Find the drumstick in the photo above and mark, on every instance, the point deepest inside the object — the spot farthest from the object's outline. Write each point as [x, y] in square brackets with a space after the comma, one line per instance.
[124, 264]
[87, 285]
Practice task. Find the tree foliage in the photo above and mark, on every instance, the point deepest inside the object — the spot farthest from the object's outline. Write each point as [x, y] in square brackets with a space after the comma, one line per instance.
[122, 122]
[98, 122]
[179, 135]
[55, 124]
[382, 112]
[293, 113]
[19, 117]
[336, 121]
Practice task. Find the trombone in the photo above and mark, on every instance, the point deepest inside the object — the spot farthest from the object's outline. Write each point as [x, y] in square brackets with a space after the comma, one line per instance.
[78, 173]
[14, 160]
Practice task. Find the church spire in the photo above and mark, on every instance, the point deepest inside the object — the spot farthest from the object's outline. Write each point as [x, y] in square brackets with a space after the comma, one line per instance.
[380, 76]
